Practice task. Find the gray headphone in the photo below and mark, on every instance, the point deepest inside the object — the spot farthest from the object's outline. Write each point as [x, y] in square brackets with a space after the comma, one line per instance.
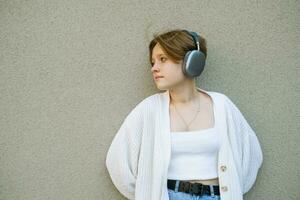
[194, 60]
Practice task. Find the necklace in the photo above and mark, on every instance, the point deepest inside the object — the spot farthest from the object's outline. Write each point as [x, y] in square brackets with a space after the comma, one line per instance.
[187, 125]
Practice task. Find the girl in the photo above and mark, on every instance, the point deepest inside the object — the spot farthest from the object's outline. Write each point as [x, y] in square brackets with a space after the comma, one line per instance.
[185, 143]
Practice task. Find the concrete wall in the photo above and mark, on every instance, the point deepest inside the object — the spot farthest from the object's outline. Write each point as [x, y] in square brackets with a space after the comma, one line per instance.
[70, 71]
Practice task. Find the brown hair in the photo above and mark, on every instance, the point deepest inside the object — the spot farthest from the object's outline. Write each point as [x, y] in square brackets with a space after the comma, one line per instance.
[176, 43]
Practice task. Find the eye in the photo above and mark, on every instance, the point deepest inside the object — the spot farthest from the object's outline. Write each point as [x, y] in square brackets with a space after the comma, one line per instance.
[162, 58]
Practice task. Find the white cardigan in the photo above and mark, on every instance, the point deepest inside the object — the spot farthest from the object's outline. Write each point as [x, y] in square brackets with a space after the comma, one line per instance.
[138, 157]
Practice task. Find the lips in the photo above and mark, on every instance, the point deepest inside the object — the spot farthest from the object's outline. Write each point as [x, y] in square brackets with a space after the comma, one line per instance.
[156, 77]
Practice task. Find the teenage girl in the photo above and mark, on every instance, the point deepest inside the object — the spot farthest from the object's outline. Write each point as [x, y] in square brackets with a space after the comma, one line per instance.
[191, 115]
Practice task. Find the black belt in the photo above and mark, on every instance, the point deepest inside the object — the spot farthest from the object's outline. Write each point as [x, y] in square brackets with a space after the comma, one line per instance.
[193, 188]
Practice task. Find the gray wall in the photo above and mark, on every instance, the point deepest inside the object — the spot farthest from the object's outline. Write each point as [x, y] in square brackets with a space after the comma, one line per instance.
[70, 71]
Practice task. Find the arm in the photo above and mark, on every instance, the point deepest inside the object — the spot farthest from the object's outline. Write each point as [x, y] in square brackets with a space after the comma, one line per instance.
[251, 152]
[123, 153]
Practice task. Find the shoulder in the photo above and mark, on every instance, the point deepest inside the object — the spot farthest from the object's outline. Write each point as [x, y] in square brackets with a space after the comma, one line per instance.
[151, 99]
[219, 97]
[148, 101]
[232, 110]
[224, 101]
[143, 105]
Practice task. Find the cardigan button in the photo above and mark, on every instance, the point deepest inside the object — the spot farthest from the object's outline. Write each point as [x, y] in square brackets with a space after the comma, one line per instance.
[223, 168]
[224, 188]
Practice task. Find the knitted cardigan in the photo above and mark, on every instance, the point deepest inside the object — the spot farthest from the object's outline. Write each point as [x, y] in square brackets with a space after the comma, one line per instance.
[138, 157]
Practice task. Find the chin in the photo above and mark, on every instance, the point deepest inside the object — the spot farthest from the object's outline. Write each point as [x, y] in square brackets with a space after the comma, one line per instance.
[162, 87]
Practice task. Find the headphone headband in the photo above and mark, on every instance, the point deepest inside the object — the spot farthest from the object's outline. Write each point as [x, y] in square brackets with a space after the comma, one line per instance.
[195, 37]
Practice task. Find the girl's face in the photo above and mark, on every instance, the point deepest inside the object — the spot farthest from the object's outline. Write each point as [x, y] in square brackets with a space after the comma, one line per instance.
[171, 72]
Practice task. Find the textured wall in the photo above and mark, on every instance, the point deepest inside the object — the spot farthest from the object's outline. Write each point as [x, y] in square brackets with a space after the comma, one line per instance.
[70, 71]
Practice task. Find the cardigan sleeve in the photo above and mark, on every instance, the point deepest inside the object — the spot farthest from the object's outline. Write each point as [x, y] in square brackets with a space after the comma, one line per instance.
[251, 152]
[123, 154]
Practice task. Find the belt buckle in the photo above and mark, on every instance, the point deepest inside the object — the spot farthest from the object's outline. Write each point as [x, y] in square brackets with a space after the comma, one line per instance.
[195, 188]
[184, 186]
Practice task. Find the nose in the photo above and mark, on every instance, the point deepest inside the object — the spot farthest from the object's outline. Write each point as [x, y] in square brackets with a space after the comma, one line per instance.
[155, 67]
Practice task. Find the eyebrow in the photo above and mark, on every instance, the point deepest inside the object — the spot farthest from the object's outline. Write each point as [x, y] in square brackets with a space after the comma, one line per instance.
[158, 55]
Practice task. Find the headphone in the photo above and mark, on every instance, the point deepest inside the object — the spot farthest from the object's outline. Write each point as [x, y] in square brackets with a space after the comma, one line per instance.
[194, 60]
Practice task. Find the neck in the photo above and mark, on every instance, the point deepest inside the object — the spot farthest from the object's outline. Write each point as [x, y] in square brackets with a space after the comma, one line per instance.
[183, 95]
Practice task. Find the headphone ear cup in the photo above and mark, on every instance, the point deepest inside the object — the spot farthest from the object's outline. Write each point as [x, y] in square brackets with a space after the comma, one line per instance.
[193, 63]
[184, 63]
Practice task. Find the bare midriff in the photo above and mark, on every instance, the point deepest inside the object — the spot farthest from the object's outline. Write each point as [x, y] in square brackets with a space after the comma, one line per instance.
[206, 182]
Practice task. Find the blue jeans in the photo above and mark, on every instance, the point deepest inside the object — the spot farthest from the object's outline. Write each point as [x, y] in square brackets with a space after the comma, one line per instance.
[177, 195]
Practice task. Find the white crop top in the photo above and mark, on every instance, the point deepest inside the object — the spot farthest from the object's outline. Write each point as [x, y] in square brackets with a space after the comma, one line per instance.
[194, 155]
